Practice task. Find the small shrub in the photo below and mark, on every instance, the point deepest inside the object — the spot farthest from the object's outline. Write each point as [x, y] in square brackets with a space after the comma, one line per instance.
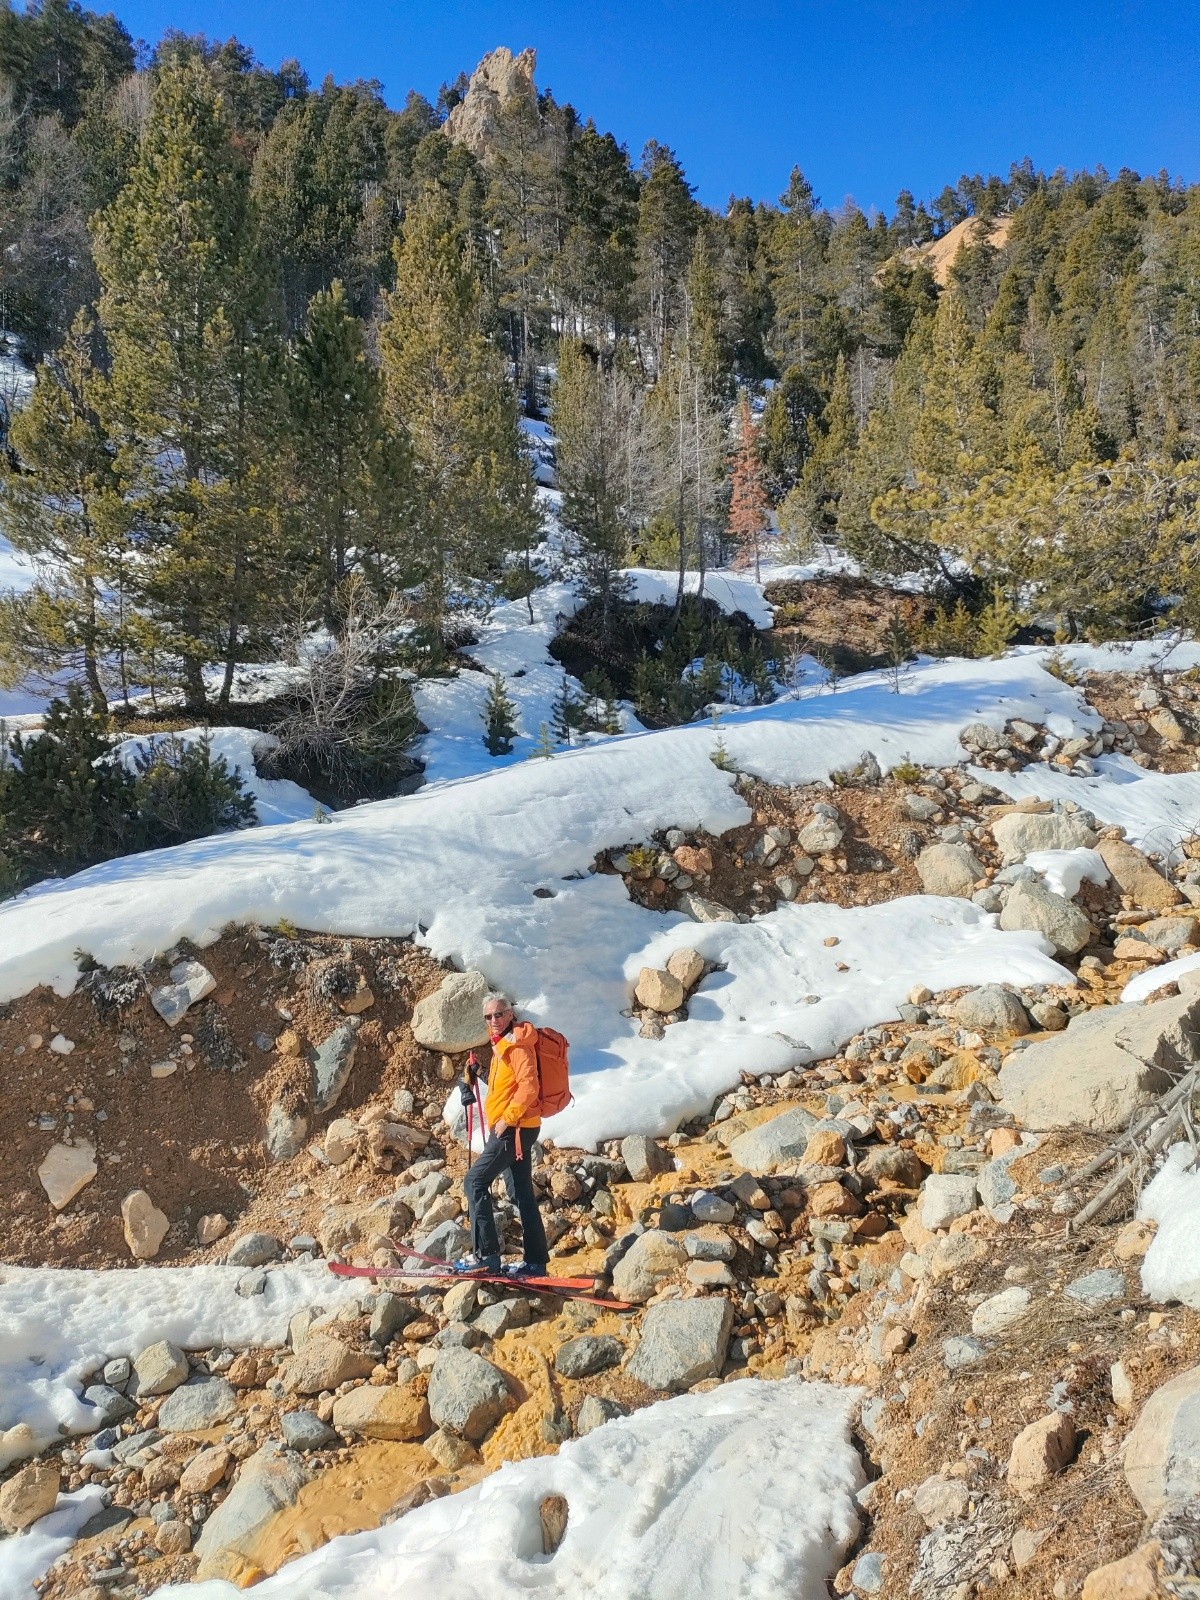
[499, 718]
[906, 772]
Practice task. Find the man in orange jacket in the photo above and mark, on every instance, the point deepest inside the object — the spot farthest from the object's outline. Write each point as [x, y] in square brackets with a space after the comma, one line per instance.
[512, 1115]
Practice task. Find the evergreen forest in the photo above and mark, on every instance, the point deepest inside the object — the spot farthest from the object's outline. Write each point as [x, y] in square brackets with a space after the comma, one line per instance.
[273, 348]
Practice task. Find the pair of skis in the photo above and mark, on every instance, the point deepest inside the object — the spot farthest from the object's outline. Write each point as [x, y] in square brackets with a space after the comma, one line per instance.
[439, 1272]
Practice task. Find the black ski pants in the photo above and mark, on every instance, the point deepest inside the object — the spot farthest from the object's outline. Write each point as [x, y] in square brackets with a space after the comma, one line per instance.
[500, 1157]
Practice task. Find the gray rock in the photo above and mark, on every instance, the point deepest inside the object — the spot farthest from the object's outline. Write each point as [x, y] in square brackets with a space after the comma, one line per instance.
[946, 1197]
[643, 1157]
[391, 1313]
[702, 910]
[775, 1143]
[590, 1353]
[595, 1412]
[135, 1443]
[1031, 907]
[111, 1406]
[682, 1342]
[995, 1186]
[117, 1372]
[821, 836]
[963, 1350]
[333, 1063]
[447, 1242]
[949, 869]
[1168, 933]
[868, 1569]
[1107, 1065]
[712, 1246]
[921, 808]
[190, 982]
[304, 1430]
[286, 1130]
[1021, 832]
[451, 1018]
[1162, 1453]
[467, 1394]
[1099, 1288]
[254, 1250]
[653, 1257]
[492, 1321]
[709, 1207]
[201, 1403]
[991, 1009]
[324, 1363]
[108, 1519]
[270, 1480]
[1000, 1311]
[158, 1369]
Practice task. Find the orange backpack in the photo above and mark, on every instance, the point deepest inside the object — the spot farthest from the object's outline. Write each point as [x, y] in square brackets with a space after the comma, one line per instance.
[554, 1078]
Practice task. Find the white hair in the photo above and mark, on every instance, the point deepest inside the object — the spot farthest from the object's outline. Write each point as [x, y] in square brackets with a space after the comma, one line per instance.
[496, 994]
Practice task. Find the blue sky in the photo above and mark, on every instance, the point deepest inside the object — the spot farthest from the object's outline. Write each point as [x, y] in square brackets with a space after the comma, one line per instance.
[868, 96]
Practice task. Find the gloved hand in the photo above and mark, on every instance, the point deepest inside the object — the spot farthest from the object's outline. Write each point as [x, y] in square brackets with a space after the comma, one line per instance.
[466, 1089]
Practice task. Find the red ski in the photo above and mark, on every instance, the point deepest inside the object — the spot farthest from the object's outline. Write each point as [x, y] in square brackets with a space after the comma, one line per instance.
[569, 1288]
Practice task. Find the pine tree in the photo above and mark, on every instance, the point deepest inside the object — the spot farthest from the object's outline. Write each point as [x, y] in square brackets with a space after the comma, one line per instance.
[194, 386]
[564, 713]
[667, 220]
[749, 515]
[448, 392]
[998, 624]
[810, 513]
[63, 506]
[604, 467]
[342, 446]
[500, 718]
[544, 748]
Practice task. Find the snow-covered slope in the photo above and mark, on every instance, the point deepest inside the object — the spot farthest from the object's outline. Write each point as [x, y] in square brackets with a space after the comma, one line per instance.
[459, 864]
[744, 1493]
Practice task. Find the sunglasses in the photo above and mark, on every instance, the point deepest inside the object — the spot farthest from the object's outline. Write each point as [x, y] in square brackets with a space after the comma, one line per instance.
[492, 1016]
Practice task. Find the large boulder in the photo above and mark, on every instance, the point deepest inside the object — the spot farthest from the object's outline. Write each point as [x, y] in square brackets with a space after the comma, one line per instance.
[682, 1342]
[202, 1403]
[1162, 1453]
[991, 1009]
[323, 1363]
[379, 1411]
[451, 1018]
[1108, 1064]
[1136, 875]
[949, 869]
[651, 1259]
[643, 1157]
[1031, 907]
[1021, 832]
[467, 1394]
[778, 1142]
[270, 1480]
[28, 1495]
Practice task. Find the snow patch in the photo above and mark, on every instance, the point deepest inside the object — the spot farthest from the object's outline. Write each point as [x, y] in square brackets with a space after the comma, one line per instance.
[59, 1326]
[1171, 1266]
[28, 1556]
[746, 1493]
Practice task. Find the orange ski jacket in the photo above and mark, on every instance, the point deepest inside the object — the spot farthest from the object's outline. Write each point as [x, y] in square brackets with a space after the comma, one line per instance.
[514, 1092]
